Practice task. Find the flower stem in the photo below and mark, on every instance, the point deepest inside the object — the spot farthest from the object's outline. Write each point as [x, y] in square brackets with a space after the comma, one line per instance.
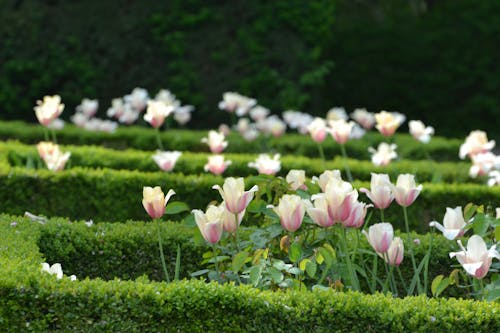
[346, 164]
[322, 155]
[158, 139]
[162, 257]
[54, 138]
[352, 272]
[46, 133]
[382, 218]
[236, 239]
[426, 265]
[410, 247]
[216, 263]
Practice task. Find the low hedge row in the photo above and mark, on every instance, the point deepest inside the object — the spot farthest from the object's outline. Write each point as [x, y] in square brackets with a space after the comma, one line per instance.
[111, 195]
[34, 301]
[193, 163]
[439, 149]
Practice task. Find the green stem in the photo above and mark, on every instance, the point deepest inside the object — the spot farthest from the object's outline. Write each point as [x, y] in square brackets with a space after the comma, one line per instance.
[386, 265]
[46, 133]
[382, 215]
[54, 138]
[346, 164]
[177, 264]
[322, 155]
[216, 263]
[162, 257]
[352, 272]
[426, 265]
[402, 280]
[236, 239]
[410, 248]
[158, 139]
[373, 283]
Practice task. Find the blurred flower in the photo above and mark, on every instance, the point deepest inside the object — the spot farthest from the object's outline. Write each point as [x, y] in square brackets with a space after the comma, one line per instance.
[224, 129]
[272, 125]
[233, 102]
[49, 109]
[216, 164]
[420, 132]
[157, 112]
[453, 222]
[483, 163]
[296, 179]
[79, 119]
[210, 223]
[380, 236]
[476, 259]
[336, 113]
[56, 124]
[318, 130]
[234, 195]
[357, 132]
[55, 269]
[325, 178]
[129, 115]
[154, 201]
[395, 253]
[53, 157]
[167, 98]
[266, 165]
[138, 99]
[381, 190]
[88, 107]
[229, 219]
[182, 114]
[117, 108]
[340, 130]
[258, 113]
[291, 210]
[364, 118]
[166, 159]
[388, 122]
[384, 154]
[242, 125]
[494, 178]
[96, 124]
[215, 141]
[497, 210]
[475, 143]
[405, 191]
[246, 129]
[297, 120]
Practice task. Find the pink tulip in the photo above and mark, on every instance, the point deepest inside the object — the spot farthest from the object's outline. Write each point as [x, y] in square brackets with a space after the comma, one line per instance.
[319, 212]
[229, 220]
[154, 201]
[215, 141]
[453, 223]
[381, 191]
[356, 216]
[380, 236]
[318, 130]
[166, 160]
[405, 190]
[388, 122]
[49, 109]
[234, 195]
[291, 210]
[157, 112]
[340, 130]
[210, 223]
[476, 259]
[395, 253]
[216, 164]
[296, 179]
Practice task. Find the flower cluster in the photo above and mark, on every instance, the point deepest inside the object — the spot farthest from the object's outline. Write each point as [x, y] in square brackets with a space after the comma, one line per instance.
[484, 161]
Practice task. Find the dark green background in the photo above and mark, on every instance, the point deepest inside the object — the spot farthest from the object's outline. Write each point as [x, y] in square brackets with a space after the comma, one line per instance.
[432, 60]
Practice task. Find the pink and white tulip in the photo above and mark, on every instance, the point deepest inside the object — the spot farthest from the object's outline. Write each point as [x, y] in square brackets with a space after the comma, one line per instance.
[48, 109]
[420, 132]
[138, 99]
[388, 122]
[266, 165]
[54, 158]
[395, 252]
[319, 212]
[356, 217]
[381, 191]
[234, 195]
[336, 113]
[88, 107]
[405, 191]
[229, 219]
[340, 130]
[216, 164]
[326, 177]
[210, 223]
[154, 201]
[233, 102]
[296, 179]
[380, 236]
[476, 259]
[384, 154]
[483, 163]
[318, 130]
[258, 113]
[157, 112]
[364, 118]
[475, 143]
[166, 160]
[453, 223]
[291, 210]
[215, 141]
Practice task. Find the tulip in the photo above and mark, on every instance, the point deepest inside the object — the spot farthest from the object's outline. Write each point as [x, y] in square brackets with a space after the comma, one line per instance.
[336, 113]
[340, 196]
[55, 269]
[182, 114]
[406, 190]
[494, 178]
[296, 179]
[215, 141]
[319, 212]
[297, 120]
[291, 210]
[49, 109]
[157, 112]
[235, 103]
[318, 130]
[117, 108]
[325, 178]
[229, 220]
[380, 236]
[476, 259]
[356, 216]
[210, 223]
[166, 97]
[364, 118]
[384, 154]
[272, 125]
[166, 159]
[340, 130]
[266, 165]
[453, 223]
[420, 132]
[381, 191]
[53, 157]
[154, 202]
[216, 164]
[475, 143]
[258, 113]
[234, 195]
[395, 253]
[388, 122]
[138, 99]
[88, 107]
[483, 163]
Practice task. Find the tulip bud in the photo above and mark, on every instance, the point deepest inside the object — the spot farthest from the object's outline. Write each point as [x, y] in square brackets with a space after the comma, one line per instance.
[380, 236]
[406, 190]
[210, 223]
[291, 210]
[234, 195]
[154, 201]
[395, 253]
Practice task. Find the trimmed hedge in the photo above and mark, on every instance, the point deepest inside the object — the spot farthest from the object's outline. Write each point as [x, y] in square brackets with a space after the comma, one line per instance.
[110, 195]
[192, 163]
[439, 149]
[34, 301]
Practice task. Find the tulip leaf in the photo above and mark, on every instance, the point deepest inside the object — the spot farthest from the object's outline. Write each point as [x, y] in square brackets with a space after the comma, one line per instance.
[295, 252]
[176, 207]
[469, 211]
[198, 273]
[239, 260]
[439, 284]
[435, 283]
[480, 225]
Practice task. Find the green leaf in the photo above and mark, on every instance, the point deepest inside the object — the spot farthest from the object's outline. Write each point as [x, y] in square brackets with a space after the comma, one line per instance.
[311, 268]
[469, 211]
[497, 233]
[198, 273]
[176, 207]
[480, 225]
[435, 283]
[295, 252]
[257, 206]
[239, 260]
[255, 275]
[276, 275]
